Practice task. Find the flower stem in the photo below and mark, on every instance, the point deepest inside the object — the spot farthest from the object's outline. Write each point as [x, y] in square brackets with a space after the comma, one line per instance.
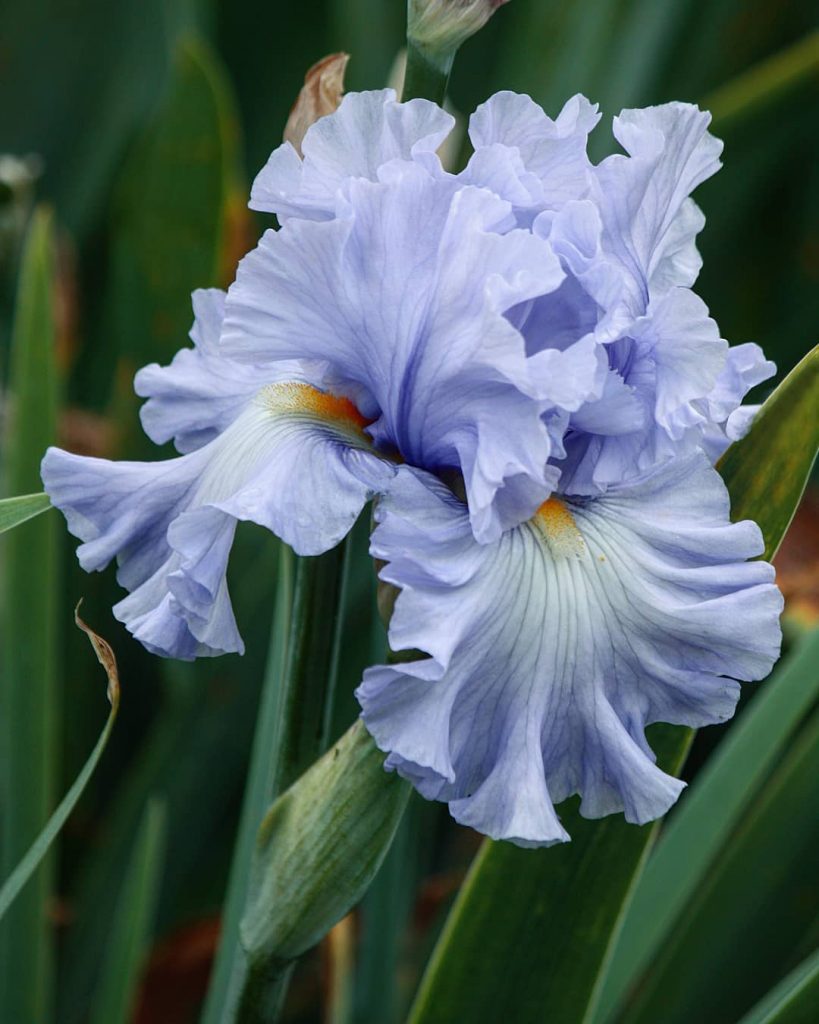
[293, 731]
[423, 78]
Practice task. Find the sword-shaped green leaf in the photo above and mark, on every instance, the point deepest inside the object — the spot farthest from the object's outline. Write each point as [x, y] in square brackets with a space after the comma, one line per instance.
[709, 813]
[28, 681]
[793, 1001]
[131, 928]
[766, 472]
[14, 511]
[562, 909]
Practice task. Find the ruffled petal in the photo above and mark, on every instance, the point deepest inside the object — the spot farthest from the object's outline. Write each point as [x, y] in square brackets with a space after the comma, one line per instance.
[668, 369]
[405, 298]
[200, 393]
[650, 224]
[551, 649]
[296, 460]
[368, 130]
[526, 157]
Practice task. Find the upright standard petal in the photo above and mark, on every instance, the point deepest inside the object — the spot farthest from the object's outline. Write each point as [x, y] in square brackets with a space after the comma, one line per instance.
[650, 223]
[551, 649]
[295, 460]
[368, 130]
[526, 157]
[404, 297]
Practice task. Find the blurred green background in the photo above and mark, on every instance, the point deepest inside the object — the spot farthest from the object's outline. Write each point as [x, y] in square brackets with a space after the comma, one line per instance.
[145, 122]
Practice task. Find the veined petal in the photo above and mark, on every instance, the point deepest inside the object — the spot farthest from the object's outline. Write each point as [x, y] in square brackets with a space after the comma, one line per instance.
[650, 224]
[368, 130]
[295, 460]
[552, 648]
[405, 297]
[192, 400]
[526, 157]
[669, 365]
[746, 366]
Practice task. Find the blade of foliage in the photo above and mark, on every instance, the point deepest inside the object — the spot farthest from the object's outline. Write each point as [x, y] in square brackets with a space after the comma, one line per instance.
[385, 912]
[258, 793]
[171, 212]
[557, 908]
[766, 472]
[206, 717]
[131, 928]
[319, 847]
[765, 83]
[14, 511]
[15, 883]
[794, 1000]
[710, 812]
[712, 966]
[304, 713]
[28, 687]
[488, 917]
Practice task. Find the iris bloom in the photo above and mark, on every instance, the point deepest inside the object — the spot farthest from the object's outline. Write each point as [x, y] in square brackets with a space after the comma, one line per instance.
[526, 332]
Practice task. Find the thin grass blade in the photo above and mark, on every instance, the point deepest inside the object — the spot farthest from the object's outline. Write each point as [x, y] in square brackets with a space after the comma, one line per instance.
[14, 511]
[28, 685]
[131, 927]
[794, 1000]
[17, 880]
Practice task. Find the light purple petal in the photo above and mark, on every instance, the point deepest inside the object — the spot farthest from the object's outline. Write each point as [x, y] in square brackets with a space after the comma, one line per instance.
[368, 130]
[552, 648]
[192, 400]
[650, 224]
[526, 157]
[404, 297]
[296, 460]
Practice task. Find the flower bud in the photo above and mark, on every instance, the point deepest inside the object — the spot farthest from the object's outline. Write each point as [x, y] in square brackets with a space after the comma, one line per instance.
[438, 27]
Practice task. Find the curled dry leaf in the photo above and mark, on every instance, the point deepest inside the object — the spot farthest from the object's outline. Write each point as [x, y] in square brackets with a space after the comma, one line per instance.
[321, 94]
[105, 656]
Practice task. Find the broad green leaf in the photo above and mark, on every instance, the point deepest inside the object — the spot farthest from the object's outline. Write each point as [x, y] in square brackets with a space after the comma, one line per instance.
[258, 792]
[14, 511]
[28, 683]
[766, 472]
[130, 930]
[754, 910]
[319, 847]
[531, 929]
[15, 883]
[793, 1001]
[710, 812]
[172, 207]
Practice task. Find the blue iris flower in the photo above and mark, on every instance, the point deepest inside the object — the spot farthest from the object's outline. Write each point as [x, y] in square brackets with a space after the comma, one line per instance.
[512, 360]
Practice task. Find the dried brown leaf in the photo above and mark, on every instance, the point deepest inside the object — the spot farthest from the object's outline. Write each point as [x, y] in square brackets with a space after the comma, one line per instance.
[105, 656]
[321, 94]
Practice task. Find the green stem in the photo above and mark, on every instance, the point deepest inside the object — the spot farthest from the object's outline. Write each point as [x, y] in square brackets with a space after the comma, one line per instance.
[228, 967]
[293, 731]
[425, 78]
[764, 83]
[306, 709]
